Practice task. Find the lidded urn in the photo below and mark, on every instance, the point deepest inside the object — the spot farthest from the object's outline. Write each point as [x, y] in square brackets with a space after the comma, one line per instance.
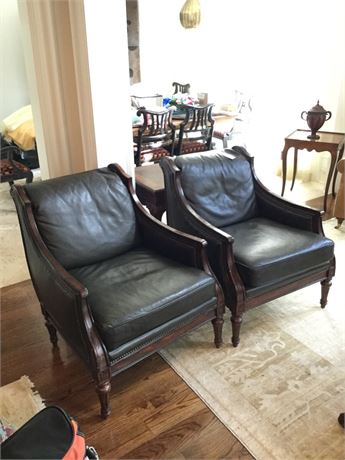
[315, 117]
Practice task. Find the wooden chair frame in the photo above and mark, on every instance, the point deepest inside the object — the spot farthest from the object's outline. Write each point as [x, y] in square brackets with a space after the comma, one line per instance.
[157, 128]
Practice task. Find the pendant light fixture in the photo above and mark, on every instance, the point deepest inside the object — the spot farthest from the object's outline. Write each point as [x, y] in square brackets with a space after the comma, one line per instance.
[190, 14]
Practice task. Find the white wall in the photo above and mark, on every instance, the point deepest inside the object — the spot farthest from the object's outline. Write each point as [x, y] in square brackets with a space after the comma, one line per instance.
[287, 55]
[59, 93]
[13, 82]
[106, 29]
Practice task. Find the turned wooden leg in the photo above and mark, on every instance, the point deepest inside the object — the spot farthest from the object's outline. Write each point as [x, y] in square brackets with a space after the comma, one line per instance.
[339, 222]
[325, 285]
[103, 390]
[236, 321]
[51, 328]
[218, 331]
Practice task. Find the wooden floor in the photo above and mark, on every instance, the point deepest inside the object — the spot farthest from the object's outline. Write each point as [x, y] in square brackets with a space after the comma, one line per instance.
[154, 413]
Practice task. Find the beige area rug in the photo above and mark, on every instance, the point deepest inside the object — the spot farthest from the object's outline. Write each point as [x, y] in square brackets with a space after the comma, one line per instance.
[13, 267]
[18, 402]
[281, 391]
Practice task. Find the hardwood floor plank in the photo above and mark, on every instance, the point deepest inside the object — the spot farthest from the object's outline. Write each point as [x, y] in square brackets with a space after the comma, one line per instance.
[154, 413]
[172, 439]
[169, 413]
[209, 446]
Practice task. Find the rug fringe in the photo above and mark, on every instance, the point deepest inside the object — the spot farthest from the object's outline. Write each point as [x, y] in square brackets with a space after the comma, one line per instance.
[38, 400]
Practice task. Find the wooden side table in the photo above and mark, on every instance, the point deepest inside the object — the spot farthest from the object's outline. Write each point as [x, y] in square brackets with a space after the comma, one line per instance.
[150, 188]
[328, 142]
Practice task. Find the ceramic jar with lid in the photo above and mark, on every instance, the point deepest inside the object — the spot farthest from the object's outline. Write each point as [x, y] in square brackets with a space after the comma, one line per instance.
[315, 118]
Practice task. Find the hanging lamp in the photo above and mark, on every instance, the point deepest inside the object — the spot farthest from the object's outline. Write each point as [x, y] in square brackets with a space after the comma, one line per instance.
[190, 14]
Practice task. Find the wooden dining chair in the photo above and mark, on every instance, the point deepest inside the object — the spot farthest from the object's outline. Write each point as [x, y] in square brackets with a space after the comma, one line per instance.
[196, 130]
[155, 138]
[180, 87]
[10, 169]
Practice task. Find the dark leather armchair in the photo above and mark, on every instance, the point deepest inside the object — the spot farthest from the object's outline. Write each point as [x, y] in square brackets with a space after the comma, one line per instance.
[114, 281]
[260, 246]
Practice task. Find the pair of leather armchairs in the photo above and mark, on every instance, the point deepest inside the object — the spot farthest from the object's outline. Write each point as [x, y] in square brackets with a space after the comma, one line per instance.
[118, 284]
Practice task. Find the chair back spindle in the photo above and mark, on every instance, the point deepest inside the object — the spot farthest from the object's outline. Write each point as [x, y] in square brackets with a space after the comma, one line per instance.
[156, 136]
[181, 87]
[196, 130]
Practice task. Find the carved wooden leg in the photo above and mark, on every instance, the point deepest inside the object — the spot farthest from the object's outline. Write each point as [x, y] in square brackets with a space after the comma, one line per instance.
[218, 331]
[51, 328]
[325, 285]
[236, 321]
[103, 390]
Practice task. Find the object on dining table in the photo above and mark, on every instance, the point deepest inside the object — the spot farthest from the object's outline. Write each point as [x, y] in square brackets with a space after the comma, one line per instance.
[315, 118]
[180, 99]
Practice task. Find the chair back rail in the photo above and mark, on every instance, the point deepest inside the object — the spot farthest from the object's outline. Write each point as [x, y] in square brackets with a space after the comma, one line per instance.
[156, 136]
[196, 130]
[181, 87]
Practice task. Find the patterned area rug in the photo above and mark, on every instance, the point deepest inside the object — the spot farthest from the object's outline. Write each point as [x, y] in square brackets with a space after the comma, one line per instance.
[281, 391]
[18, 403]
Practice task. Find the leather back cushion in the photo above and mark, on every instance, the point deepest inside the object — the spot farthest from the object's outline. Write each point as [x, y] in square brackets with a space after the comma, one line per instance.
[84, 218]
[220, 189]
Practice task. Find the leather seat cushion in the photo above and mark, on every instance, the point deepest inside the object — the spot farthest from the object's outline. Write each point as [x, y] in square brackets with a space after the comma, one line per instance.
[95, 204]
[139, 291]
[266, 251]
[206, 185]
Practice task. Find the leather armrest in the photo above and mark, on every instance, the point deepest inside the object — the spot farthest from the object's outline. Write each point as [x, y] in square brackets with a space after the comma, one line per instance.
[219, 244]
[286, 212]
[279, 209]
[182, 247]
[176, 245]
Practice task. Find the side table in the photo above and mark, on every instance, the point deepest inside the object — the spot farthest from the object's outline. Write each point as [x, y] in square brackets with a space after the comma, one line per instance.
[329, 142]
[150, 188]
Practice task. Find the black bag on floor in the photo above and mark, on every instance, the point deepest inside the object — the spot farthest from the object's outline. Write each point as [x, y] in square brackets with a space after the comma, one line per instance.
[50, 434]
